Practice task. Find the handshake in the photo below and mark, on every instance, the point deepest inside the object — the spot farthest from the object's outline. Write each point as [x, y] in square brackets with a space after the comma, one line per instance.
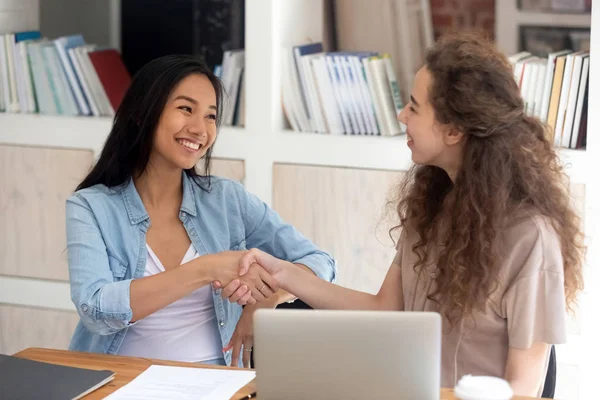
[246, 277]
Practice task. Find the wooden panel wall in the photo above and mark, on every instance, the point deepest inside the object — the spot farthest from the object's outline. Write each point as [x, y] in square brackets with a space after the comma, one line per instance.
[35, 183]
[342, 211]
[230, 169]
[22, 327]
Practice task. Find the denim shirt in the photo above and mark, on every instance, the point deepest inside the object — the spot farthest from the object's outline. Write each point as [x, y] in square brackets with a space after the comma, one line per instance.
[106, 245]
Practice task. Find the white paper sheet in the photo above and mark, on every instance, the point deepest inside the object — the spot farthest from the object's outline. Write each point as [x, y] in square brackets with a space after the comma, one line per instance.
[180, 383]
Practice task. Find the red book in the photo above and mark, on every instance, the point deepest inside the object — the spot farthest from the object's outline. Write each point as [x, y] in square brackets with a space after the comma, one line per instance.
[112, 73]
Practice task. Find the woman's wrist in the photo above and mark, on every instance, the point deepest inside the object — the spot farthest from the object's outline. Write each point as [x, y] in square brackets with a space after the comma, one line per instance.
[267, 303]
[286, 274]
[205, 268]
[199, 271]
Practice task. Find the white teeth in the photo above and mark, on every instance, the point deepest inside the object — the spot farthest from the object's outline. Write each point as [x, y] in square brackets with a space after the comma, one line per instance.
[188, 144]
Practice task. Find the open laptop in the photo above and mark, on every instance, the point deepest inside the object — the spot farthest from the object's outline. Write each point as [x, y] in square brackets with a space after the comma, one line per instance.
[329, 355]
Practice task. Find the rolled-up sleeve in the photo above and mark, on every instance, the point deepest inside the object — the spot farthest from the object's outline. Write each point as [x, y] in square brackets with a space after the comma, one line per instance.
[266, 231]
[102, 303]
[536, 310]
[534, 304]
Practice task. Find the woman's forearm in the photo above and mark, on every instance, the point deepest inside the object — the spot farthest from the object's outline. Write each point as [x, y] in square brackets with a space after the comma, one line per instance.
[152, 293]
[525, 368]
[283, 296]
[321, 294]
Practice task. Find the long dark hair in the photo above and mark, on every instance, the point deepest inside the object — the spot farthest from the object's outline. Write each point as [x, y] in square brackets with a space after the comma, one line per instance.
[509, 165]
[129, 144]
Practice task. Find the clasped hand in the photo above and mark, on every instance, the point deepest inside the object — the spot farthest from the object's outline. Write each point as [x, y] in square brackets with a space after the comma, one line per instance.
[245, 283]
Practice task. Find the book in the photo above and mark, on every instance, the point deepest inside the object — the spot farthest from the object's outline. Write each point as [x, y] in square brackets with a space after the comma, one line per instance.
[315, 117]
[581, 105]
[293, 92]
[548, 82]
[572, 98]
[5, 99]
[93, 80]
[27, 379]
[63, 96]
[564, 99]
[347, 82]
[232, 68]
[41, 80]
[384, 92]
[364, 93]
[81, 77]
[13, 104]
[555, 95]
[554, 89]
[540, 85]
[343, 92]
[326, 95]
[529, 76]
[114, 76]
[59, 76]
[63, 45]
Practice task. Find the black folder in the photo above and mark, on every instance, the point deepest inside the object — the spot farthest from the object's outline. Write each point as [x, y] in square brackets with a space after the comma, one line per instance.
[22, 379]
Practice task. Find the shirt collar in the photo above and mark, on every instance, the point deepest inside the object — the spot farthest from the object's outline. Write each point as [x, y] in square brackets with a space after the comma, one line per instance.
[135, 207]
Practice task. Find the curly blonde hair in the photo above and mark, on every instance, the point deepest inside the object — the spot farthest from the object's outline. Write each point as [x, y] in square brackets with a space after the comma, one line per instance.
[509, 165]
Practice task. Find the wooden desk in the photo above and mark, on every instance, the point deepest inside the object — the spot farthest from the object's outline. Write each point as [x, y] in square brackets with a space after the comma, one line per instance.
[127, 368]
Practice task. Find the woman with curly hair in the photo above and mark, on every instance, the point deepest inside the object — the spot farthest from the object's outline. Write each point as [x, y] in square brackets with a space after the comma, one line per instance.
[488, 237]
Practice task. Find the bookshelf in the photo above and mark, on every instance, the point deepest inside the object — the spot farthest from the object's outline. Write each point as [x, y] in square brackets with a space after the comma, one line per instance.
[265, 141]
[509, 19]
[577, 358]
[271, 25]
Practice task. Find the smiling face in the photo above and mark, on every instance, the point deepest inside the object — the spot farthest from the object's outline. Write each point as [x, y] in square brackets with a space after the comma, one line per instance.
[188, 124]
[430, 142]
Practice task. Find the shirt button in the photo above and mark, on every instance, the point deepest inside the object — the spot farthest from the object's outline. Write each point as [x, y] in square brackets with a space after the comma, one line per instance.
[84, 308]
[433, 275]
[222, 324]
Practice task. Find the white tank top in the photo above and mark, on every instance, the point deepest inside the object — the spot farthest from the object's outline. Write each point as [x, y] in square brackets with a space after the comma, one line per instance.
[185, 330]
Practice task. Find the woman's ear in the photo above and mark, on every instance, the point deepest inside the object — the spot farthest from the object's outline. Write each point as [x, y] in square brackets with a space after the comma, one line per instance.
[453, 136]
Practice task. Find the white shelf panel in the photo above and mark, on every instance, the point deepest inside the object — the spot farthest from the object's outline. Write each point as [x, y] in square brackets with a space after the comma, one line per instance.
[377, 152]
[553, 19]
[373, 152]
[54, 131]
[35, 293]
[70, 132]
[233, 142]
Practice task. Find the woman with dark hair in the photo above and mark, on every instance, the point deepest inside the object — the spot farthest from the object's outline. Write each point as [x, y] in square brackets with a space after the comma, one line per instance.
[147, 234]
[488, 237]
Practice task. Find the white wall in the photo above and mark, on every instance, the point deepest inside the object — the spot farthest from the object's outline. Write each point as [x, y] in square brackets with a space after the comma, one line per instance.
[98, 20]
[94, 19]
[19, 15]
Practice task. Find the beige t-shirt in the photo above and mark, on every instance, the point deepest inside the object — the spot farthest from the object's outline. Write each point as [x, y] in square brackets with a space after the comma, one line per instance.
[528, 305]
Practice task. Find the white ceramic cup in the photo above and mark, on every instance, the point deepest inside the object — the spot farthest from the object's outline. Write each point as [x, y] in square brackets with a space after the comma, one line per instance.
[482, 388]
